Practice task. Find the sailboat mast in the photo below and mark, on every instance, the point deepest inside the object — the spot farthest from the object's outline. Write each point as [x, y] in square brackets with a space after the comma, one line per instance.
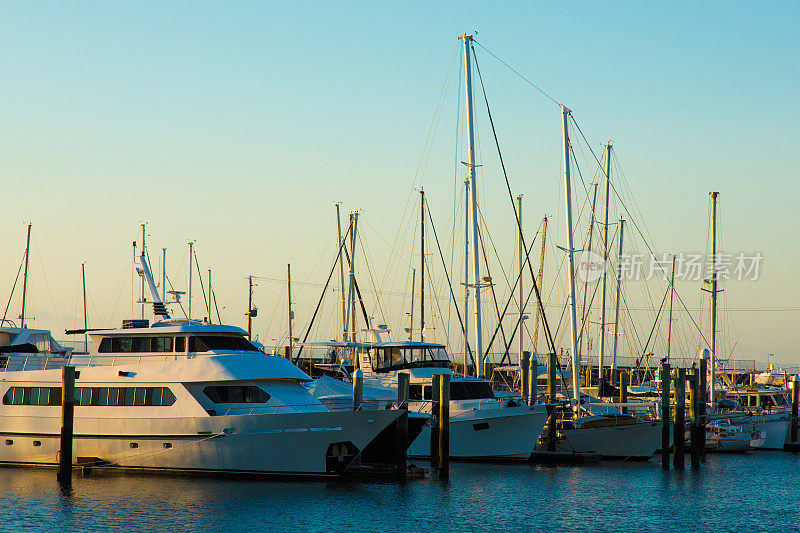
[341, 274]
[521, 252]
[570, 250]
[189, 294]
[411, 315]
[164, 274]
[250, 307]
[602, 354]
[539, 279]
[210, 314]
[421, 265]
[351, 308]
[289, 307]
[712, 385]
[584, 312]
[25, 278]
[476, 264]
[142, 277]
[466, 276]
[671, 297]
[85, 318]
[619, 290]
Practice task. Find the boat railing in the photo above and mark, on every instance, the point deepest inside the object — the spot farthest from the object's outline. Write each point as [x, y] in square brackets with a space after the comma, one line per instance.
[17, 363]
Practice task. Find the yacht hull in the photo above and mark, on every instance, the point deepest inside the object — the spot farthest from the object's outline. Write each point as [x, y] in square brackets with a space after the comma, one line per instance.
[638, 441]
[508, 433]
[297, 443]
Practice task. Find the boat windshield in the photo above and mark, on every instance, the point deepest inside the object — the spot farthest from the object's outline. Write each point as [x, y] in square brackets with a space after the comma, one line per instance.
[391, 357]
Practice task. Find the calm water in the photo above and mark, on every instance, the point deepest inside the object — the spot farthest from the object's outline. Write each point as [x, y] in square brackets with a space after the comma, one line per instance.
[753, 492]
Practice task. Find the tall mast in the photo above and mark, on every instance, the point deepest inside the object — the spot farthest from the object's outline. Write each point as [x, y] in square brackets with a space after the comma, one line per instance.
[250, 307]
[539, 279]
[411, 315]
[602, 354]
[712, 385]
[210, 314]
[467, 39]
[189, 295]
[619, 289]
[521, 252]
[341, 274]
[584, 313]
[164, 274]
[85, 318]
[142, 278]
[421, 265]
[466, 275]
[25, 278]
[351, 308]
[291, 314]
[570, 250]
[671, 297]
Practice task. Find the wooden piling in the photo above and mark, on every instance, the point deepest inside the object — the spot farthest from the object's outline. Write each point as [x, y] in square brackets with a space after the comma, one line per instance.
[524, 364]
[403, 379]
[793, 435]
[665, 414]
[64, 475]
[533, 377]
[694, 416]
[680, 412]
[358, 389]
[551, 399]
[588, 376]
[623, 390]
[435, 390]
[444, 427]
[702, 399]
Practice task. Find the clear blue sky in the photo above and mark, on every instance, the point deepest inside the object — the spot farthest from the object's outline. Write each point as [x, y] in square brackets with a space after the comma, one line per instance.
[239, 124]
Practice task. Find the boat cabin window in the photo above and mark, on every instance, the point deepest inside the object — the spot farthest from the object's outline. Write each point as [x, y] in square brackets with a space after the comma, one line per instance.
[218, 342]
[180, 344]
[767, 402]
[780, 400]
[406, 356]
[87, 396]
[236, 394]
[136, 344]
[470, 390]
[415, 392]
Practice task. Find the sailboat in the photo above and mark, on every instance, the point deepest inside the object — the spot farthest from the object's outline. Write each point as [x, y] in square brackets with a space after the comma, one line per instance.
[616, 436]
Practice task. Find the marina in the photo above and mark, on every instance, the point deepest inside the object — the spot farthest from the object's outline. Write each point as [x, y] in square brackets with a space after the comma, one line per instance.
[452, 285]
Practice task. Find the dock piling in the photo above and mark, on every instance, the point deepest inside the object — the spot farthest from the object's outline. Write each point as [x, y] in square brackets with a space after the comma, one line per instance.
[533, 377]
[795, 386]
[551, 399]
[623, 390]
[680, 412]
[403, 379]
[702, 373]
[694, 416]
[64, 475]
[524, 364]
[665, 412]
[435, 389]
[444, 427]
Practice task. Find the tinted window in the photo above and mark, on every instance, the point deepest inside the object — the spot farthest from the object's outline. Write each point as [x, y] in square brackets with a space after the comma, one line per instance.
[415, 392]
[87, 396]
[216, 342]
[236, 394]
[470, 390]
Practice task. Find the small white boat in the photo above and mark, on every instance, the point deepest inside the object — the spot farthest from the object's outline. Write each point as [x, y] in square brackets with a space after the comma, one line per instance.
[727, 438]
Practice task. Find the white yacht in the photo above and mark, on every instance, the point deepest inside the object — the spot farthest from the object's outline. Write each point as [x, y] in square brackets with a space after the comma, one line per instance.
[178, 395]
[482, 426]
[767, 410]
[181, 395]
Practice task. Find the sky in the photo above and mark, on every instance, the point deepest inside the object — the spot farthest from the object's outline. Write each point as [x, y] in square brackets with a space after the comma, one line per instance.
[238, 125]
